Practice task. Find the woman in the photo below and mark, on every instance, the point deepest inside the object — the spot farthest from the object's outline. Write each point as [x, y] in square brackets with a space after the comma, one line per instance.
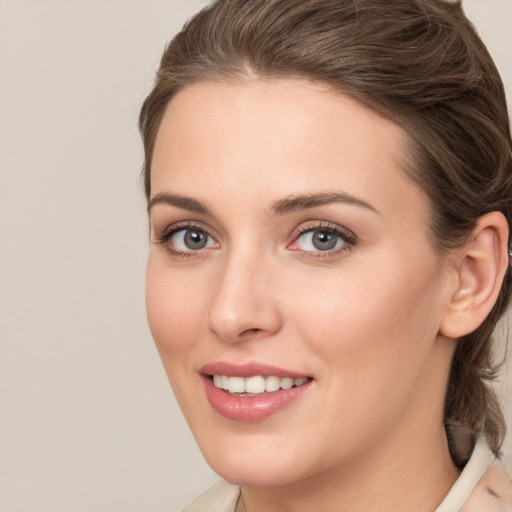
[329, 190]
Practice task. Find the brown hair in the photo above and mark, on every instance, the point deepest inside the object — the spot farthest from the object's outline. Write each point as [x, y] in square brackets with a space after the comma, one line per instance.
[418, 62]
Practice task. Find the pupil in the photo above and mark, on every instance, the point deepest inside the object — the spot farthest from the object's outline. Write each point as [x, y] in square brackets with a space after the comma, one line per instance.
[195, 239]
[324, 241]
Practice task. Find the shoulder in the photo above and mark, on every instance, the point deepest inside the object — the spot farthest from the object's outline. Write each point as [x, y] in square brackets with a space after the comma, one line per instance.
[483, 486]
[222, 497]
[493, 492]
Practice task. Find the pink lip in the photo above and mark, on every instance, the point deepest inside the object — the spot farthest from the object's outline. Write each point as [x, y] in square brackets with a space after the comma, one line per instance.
[249, 408]
[248, 370]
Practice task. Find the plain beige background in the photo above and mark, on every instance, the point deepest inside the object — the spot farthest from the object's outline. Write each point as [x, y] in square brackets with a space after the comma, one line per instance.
[87, 419]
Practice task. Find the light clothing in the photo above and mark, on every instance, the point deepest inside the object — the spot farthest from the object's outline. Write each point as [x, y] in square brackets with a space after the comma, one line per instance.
[222, 497]
[483, 486]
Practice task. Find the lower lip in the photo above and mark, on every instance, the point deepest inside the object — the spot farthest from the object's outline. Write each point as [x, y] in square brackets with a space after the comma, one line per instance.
[251, 408]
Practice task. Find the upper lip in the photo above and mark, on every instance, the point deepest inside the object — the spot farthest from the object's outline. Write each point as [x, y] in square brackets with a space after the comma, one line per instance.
[250, 369]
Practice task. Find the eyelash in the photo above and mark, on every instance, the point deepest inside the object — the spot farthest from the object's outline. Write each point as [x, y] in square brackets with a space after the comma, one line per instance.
[164, 237]
[348, 238]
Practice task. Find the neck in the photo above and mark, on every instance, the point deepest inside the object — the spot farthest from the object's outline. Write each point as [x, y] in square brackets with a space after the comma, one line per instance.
[409, 472]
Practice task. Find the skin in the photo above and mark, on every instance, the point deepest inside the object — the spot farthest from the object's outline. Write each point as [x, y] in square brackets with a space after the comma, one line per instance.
[363, 320]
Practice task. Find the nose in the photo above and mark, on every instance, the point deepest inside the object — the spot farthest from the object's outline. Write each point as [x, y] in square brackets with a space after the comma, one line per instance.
[244, 304]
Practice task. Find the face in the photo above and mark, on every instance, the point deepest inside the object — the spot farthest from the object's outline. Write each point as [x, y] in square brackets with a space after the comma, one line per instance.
[288, 248]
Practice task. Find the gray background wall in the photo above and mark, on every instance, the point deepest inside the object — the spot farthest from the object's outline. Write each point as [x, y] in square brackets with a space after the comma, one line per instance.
[87, 419]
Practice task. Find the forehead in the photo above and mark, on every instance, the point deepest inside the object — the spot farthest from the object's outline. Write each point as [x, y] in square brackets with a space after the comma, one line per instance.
[274, 138]
[263, 108]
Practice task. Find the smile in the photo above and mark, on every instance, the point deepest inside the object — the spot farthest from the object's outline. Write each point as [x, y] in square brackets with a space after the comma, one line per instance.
[252, 392]
[256, 385]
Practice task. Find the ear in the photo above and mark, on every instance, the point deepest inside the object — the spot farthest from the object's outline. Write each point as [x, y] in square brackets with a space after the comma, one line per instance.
[480, 268]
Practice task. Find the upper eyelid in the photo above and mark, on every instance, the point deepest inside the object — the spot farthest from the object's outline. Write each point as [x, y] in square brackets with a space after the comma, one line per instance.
[308, 226]
[187, 224]
[304, 227]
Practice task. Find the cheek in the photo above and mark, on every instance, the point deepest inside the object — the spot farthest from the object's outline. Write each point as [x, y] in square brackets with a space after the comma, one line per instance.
[370, 322]
[372, 340]
[175, 315]
[174, 310]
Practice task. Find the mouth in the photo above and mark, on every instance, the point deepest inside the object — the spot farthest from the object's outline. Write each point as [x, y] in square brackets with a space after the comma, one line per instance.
[251, 392]
[256, 385]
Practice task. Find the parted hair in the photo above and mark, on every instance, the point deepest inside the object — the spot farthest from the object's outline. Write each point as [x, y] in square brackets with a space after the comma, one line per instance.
[419, 63]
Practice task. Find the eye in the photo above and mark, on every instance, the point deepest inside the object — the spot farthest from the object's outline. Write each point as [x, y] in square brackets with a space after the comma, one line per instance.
[186, 240]
[319, 241]
[325, 239]
[190, 239]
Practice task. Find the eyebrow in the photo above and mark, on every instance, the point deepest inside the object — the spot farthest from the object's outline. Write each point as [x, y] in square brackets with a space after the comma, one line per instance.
[304, 201]
[281, 207]
[183, 202]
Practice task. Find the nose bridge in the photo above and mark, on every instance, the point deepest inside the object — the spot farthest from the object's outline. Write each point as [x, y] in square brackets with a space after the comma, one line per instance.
[243, 302]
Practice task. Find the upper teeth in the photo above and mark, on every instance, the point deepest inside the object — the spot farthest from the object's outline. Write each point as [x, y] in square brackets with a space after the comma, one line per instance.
[256, 384]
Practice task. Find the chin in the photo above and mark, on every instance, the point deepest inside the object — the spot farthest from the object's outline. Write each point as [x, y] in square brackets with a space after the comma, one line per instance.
[258, 460]
[256, 473]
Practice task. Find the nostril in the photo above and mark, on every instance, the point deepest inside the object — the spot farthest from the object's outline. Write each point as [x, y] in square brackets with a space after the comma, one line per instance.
[249, 332]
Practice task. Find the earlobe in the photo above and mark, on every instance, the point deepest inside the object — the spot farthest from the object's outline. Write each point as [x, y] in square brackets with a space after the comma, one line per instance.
[482, 265]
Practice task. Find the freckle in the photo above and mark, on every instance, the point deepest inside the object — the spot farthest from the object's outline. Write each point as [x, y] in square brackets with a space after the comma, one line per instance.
[492, 493]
